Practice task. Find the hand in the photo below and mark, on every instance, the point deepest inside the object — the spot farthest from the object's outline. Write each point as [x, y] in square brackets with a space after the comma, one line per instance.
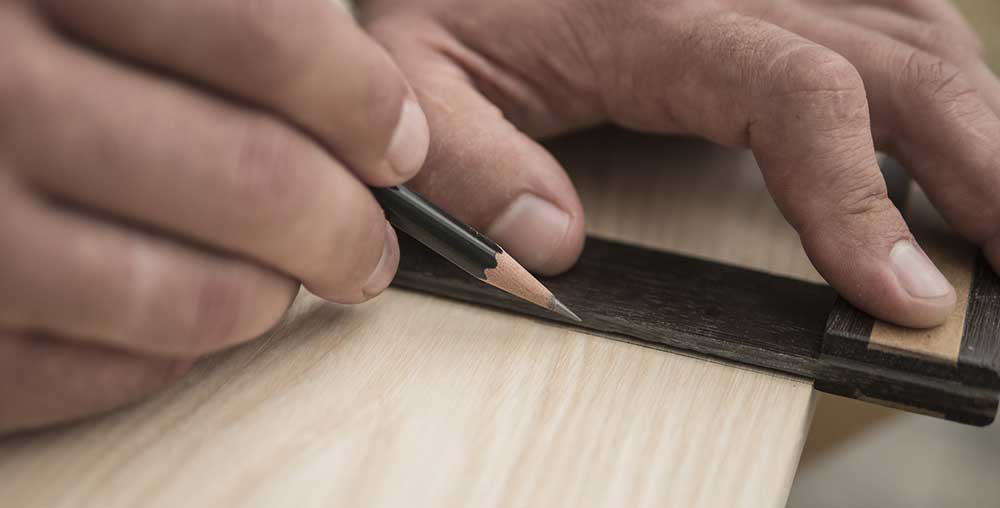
[811, 86]
[169, 171]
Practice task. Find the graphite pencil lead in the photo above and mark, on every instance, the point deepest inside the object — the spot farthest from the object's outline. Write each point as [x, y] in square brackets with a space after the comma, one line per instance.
[563, 310]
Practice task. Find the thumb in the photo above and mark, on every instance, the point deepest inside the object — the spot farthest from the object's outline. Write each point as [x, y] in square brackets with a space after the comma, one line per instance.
[486, 172]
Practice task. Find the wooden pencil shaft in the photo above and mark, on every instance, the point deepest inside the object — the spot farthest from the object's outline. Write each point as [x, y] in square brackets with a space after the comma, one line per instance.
[448, 237]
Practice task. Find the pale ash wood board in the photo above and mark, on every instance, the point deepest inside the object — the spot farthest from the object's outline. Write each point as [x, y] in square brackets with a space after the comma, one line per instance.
[426, 402]
[669, 301]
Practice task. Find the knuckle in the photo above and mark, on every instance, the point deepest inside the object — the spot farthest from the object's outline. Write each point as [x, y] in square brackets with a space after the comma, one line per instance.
[178, 308]
[380, 96]
[814, 69]
[367, 98]
[267, 178]
[220, 302]
[282, 38]
[368, 102]
[821, 88]
[861, 194]
[947, 42]
[272, 25]
[315, 214]
[934, 80]
[364, 92]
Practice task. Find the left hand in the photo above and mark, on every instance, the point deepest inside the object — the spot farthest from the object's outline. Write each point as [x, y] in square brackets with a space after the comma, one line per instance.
[813, 87]
[170, 172]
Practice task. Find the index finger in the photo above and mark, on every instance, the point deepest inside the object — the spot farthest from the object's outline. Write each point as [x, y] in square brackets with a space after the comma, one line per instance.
[803, 110]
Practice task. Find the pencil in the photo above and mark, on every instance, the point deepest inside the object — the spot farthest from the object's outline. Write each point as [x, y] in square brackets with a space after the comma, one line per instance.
[463, 246]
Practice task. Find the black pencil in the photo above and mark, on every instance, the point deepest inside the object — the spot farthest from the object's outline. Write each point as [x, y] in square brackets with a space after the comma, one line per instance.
[467, 248]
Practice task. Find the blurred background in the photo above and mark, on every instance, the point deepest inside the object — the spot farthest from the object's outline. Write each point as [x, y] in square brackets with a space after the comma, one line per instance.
[860, 455]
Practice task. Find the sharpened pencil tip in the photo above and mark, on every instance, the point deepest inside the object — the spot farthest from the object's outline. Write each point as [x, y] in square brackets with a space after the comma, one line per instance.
[562, 310]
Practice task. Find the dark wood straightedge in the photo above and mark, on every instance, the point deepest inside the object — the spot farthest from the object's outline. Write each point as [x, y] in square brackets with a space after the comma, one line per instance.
[668, 301]
[974, 374]
[979, 358]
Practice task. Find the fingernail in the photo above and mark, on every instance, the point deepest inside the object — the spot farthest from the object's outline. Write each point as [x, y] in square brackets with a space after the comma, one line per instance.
[387, 265]
[408, 147]
[530, 229]
[916, 272]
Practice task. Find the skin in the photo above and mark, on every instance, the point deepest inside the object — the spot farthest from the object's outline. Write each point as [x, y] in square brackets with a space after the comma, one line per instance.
[163, 200]
[171, 171]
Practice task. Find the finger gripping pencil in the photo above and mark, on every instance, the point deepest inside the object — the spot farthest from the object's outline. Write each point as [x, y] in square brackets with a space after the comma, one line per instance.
[463, 246]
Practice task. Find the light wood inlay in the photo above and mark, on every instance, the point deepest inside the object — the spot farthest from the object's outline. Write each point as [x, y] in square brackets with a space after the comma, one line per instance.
[955, 258]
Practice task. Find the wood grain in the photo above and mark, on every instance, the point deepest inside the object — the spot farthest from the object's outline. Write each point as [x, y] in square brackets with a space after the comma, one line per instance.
[417, 401]
[660, 300]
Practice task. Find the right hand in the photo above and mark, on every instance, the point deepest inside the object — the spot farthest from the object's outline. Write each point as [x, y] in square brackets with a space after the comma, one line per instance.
[812, 87]
[169, 171]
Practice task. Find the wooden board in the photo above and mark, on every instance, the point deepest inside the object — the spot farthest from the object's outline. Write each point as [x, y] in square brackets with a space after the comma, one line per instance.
[418, 401]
